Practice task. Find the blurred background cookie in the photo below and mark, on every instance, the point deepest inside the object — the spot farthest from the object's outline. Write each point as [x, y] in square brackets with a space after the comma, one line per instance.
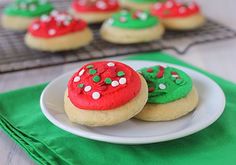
[94, 11]
[171, 94]
[104, 93]
[179, 16]
[132, 27]
[139, 4]
[19, 14]
[58, 32]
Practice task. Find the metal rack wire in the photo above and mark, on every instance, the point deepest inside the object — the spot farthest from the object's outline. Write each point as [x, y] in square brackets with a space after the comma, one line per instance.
[14, 55]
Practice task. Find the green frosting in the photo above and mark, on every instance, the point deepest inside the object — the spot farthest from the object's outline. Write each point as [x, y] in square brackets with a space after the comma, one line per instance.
[28, 8]
[166, 84]
[133, 20]
[146, 1]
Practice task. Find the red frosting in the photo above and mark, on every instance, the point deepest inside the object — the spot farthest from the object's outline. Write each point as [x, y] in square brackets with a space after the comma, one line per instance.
[56, 24]
[95, 5]
[173, 9]
[103, 86]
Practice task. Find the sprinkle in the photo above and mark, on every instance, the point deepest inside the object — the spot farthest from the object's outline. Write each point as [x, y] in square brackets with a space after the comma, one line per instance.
[151, 89]
[81, 72]
[178, 81]
[54, 13]
[23, 5]
[87, 88]
[32, 7]
[92, 71]
[149, 70]
[77, 79]
[96, 78]
[81, 85]
[143, 16]
[157, 6]
[182, 10]
[89, 66]
[110, 21]
[45, 18]
[108, 81]
[114, 83]
[169, 4]
[123, 19]
[101, 5]
[122, 81]
[96, 95]
[120, 73]
[161, 72]
[110, 64]
[162, 86]
[35, 26]
[51, 32]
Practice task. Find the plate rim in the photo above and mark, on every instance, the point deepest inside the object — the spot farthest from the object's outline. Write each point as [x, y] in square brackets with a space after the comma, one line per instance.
[135, 140]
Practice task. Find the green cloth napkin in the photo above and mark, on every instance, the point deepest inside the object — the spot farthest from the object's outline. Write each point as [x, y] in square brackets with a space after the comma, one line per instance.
[22, 119]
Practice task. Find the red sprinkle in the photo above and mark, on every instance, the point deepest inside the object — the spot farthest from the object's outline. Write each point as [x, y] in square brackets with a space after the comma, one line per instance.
[150, 70]
[151, 89]
[161, 72]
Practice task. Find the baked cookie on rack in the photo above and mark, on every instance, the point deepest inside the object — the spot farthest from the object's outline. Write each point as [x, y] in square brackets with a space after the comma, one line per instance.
[58, 32]
[19, 15]
[139, 4]
[104, 93]
[94, 11]
[179, 16]
[171, 94]
[131, 27]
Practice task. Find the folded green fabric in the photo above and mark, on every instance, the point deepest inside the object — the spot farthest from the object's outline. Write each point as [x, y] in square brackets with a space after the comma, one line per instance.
[22, 119]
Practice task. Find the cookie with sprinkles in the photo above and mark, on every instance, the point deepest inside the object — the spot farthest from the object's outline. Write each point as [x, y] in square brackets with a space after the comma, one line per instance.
[19, 14]
[104, 93]
[179, 16]
[58, 31]
[94, 11]
[139, 4]
[127, 27]
[171, 94]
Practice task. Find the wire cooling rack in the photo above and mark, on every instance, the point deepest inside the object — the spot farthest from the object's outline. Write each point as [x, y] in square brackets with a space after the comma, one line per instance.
[15, 56]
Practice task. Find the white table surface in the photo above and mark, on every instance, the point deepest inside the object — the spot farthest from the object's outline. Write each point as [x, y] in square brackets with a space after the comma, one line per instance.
[218, 58]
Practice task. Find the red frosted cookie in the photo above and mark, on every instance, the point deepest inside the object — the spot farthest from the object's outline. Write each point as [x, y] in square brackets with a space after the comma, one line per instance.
[57, 32]
[104, 93]
[178, 16]
[94, 11]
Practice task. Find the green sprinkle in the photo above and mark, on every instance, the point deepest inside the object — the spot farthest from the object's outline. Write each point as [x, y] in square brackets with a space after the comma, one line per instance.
[92, 71]
[108, 81]
[89, 66]
[96, 78]
[178, 81]
[81, 85]
[173, 78]
[120, 73]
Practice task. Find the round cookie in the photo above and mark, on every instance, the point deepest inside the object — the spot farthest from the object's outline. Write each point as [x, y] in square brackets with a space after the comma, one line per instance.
[58, 32]
[139, 4]
[94, 11]
[104, 93]
[131, 27]
[179, 16]
[171, 94]
[19, 15]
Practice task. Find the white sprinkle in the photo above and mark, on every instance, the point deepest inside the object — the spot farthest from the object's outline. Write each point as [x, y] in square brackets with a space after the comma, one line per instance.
[162, 86]
[35, 26]
[110, 21]
[96, 95]
[123, 19]
[23, 5]
[87, 88]
[143, 16]
[45, 18]
[101, 5]
[51, 32]
[122, 81]
[54, 13]
[66, 23]
[61, 17]
[110, 64]
[175, 75]
[182, 10]
[169, 4]
[157, 6]
[81, 72]
[114, 83]
[191, 6]
[32, 7]
[77, 79]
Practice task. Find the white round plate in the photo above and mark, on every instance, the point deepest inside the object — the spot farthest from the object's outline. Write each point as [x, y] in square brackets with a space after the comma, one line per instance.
[211, 106]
